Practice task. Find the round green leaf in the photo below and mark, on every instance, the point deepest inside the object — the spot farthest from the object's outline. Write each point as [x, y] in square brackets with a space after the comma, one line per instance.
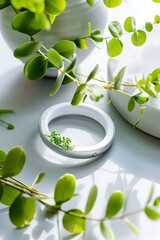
[152, 213]
[35, 68]
[90, 2]
[131, 104]
[37, 6]
[156, 1]
[54, 58]
[30, 23]
[79, 94]
[130, 24]
[115, 47]
[148, 26]
[4, 3]
[73, 222]
[14, 162]
[64, 189]
[157, 202]
[156, 75]
[81, 43]
[141, 98]
[9, 195]
[2, 157]
[55, 7]
[157, 19]
[65, 48]
[91, 199]
[112, 3]
[115, 29]
[157, 88]
[138, 38]
[115, 203]
[22, 211]
[27, 49]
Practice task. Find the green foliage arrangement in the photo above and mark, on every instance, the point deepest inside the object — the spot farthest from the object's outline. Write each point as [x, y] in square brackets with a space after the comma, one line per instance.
[22, 199]
[32, 16]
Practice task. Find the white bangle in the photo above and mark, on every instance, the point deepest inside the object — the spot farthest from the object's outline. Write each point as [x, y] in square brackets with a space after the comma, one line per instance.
[86, 110]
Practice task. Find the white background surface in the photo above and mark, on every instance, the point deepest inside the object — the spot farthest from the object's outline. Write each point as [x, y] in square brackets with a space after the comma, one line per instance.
[131, 165]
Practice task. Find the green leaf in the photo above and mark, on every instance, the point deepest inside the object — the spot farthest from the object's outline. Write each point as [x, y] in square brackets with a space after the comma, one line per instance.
[36, 6]
[112, 3]
[114, 47]
[96, 92]
[93, 73]
[67, 79]
[27, 49]
[30, 23]
[79, 94]
[73, 221]
[157, 18]
[54, 58]
[71, 66]
[106, 231]
[157, 202]
[156, 1]
[157, 88]
[64, 189]
[115, 29]
[130, 24]
[141, 98]
[14, 162]
[2, 157]
[118, 78]
[4, 3]
[9, 195]
[95, 35]
[36, 68]
[91, 199]
[65, 48]
[138, 38]
[57, 84]
[152, 213]
[115, 203]
[132, 226]
[1, 190]
[22, 211]
[149, 91]
[156, 75]
[149, 26]
[131, 104]
[81, 43]
[90, 2]
[55, 7]
[39, 178]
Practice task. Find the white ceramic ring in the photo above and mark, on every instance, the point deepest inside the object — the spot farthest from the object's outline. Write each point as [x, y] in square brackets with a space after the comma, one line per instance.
[86, 110]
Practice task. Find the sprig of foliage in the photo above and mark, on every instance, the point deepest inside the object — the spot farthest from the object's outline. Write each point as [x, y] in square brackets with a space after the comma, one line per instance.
[20, 198]
[9, 126]
[61, 141]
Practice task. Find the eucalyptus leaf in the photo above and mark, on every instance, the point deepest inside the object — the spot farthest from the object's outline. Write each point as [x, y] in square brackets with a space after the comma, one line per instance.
[14, 162]
[55, 7]
[150, 194]
[114, 47]
[157, 202]
[157, 18]
[4, 3]
[27, 49]
[141, 98]
[95, 35]
[36, 67]
[79, 94]
[152, 213]
[138, 38]
[112, 3]
[93, 73]
[66, 48]
[115, 29]
[132, 226]
[54, 58]
[64, 189]
[36, 6]
[115, 204]
[149, 26]
[106, 231]
[157, 88]
[2, 157]
[91, 199]
[90, 2]
[30, 23]
[9, 195]
[130, 24]
[67, 79]
[118, 78]
[149, 91]
[131, 104]
[81, 43]
[57, 84]
[73, 221]
[156, 75]
[71, 66]
[156, 1]
[22, 211]
[39, 178]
